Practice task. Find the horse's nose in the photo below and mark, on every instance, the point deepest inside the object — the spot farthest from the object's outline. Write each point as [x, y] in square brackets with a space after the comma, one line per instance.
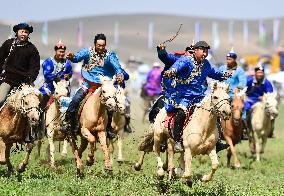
[226, 113]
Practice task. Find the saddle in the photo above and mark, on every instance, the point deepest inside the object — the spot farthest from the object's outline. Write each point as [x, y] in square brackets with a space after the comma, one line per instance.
[170, 119]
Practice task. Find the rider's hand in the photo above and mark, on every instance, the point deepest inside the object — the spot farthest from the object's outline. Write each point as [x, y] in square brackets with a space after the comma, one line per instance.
[170, 73]
[119, 78]
[260, 98]
[70, 56]
[227, 75]
[162, 47]
[66, 77]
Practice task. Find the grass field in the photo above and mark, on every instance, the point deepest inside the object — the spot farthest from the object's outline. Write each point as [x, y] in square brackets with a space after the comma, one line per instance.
[265, 178]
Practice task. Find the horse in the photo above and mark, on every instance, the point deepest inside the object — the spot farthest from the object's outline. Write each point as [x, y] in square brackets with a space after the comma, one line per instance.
[54, 118]
[200, 134]
[93, 120]
[261, 115]
[118, 123]
[233, 128]
[19, 116]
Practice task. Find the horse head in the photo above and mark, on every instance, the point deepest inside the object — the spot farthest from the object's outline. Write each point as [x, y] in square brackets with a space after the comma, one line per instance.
[270, 102]
[29, 104]
[238, 105]
[220, 100]
[121, 100]
[60, 89]
[108, 93]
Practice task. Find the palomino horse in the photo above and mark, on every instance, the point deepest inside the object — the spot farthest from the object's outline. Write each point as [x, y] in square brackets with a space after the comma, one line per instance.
[233, 128]
[54, 118]
[118, 123]
[262, 114]
[93, 120]
[199, 136]
[19, 116]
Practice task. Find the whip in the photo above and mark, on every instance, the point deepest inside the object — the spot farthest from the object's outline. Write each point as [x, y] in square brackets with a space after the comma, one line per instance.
[177, 33]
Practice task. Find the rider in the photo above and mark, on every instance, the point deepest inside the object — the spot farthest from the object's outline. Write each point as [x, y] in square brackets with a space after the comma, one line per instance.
[257, 86]
[153, 83]
[189, 75]
[97, 62]
[55, 69]
[168, 59]
[19, 60]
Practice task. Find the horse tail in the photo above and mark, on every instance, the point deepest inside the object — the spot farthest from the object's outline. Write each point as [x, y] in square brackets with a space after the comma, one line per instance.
[147, 143]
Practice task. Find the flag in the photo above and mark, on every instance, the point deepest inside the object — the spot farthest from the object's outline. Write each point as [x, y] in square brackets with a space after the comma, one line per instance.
[231, 33]
[197, 31]
[116, 35]
[245, 33]
[276, 27]
[150, 35]
[44, 34]
[215, 35]
[262, 33]
[80, 35]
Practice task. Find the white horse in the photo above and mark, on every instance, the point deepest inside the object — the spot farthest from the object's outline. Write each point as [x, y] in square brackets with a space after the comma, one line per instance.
[262, 114]
[199, 136]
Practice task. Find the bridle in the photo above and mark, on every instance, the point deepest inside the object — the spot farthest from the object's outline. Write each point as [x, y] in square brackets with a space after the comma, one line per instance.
[24, 110]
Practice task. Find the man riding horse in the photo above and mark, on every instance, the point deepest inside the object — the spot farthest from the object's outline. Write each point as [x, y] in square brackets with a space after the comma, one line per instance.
[97, 62]
[257, 86]
[189, 75]
[19, 61]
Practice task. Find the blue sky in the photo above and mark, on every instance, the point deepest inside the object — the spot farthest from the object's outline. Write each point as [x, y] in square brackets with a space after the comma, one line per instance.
[40, 10]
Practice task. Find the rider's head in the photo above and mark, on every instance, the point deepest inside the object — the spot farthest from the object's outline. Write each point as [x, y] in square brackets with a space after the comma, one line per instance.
[259, 73]
[100, 43]
[60, 49]
[231, 58]
[201, 50]
[22, 31]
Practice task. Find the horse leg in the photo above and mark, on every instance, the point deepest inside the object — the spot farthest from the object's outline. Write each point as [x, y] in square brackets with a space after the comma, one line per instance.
[119, 145]
[157, 150]
[264, 140]
[2, 152]
[51, 151]
[79, 163]
[257, 146]
[39, 144]
[179, 171]
[138, 165]
[170, 158]
[83, 146]
[214, 159]
[187, 169]
[90, 159]
[233, 151]
[23, 164]
[7, 157]
[229, 155]
[102, 138]
[64, 150]
[111, 149]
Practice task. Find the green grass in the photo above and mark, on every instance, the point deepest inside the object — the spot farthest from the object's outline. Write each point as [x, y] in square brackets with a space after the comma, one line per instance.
[265, 178]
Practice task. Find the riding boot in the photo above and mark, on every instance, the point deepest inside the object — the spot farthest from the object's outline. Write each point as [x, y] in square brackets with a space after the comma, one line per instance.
[180, 118]
[219, 145]
[157, 106]
[69, 124]
[109, 129]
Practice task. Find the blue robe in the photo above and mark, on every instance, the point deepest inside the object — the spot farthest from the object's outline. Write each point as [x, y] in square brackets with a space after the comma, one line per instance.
[256, 90]
[192, 91]
[91, 70]
[51, 69]
[238, 79]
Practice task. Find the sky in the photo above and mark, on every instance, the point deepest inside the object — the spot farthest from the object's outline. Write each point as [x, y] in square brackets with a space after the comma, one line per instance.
[41, 10]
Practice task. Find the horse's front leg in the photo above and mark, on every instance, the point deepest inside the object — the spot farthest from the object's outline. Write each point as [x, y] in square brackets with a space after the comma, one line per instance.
[111, 150]
[119, 145]
[170, 157]
[102, 138]
[7, 157]
[157, 150]
[51, 151]
[23, 164]
[64, 150]
[83, 146]
[214, 160]
[187, 163]
[39, 144]
[233, 152]
[179, 171]
[90, 159]
[79, 163]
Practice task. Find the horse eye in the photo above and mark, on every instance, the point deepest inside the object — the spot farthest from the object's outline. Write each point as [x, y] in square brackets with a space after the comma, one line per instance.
[215, 97]
[26, 103]
[104, 91]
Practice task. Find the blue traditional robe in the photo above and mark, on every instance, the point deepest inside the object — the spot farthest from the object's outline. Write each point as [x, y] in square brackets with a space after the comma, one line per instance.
[52, 69]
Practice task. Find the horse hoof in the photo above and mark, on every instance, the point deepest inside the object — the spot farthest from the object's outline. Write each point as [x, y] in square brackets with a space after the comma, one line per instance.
[206, 178]
[120, 161]
[237, 165]
[137, 167]
[90, 162]
[189, 182]
[80, 172]
[160, 173]
[10, 172]
[108, 169]
[179, 172]
[64, 155]
[21, 168]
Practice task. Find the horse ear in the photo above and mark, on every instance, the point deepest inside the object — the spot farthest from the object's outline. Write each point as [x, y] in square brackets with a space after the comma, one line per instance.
[54, 84]
[236, 91]
[113, 78]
